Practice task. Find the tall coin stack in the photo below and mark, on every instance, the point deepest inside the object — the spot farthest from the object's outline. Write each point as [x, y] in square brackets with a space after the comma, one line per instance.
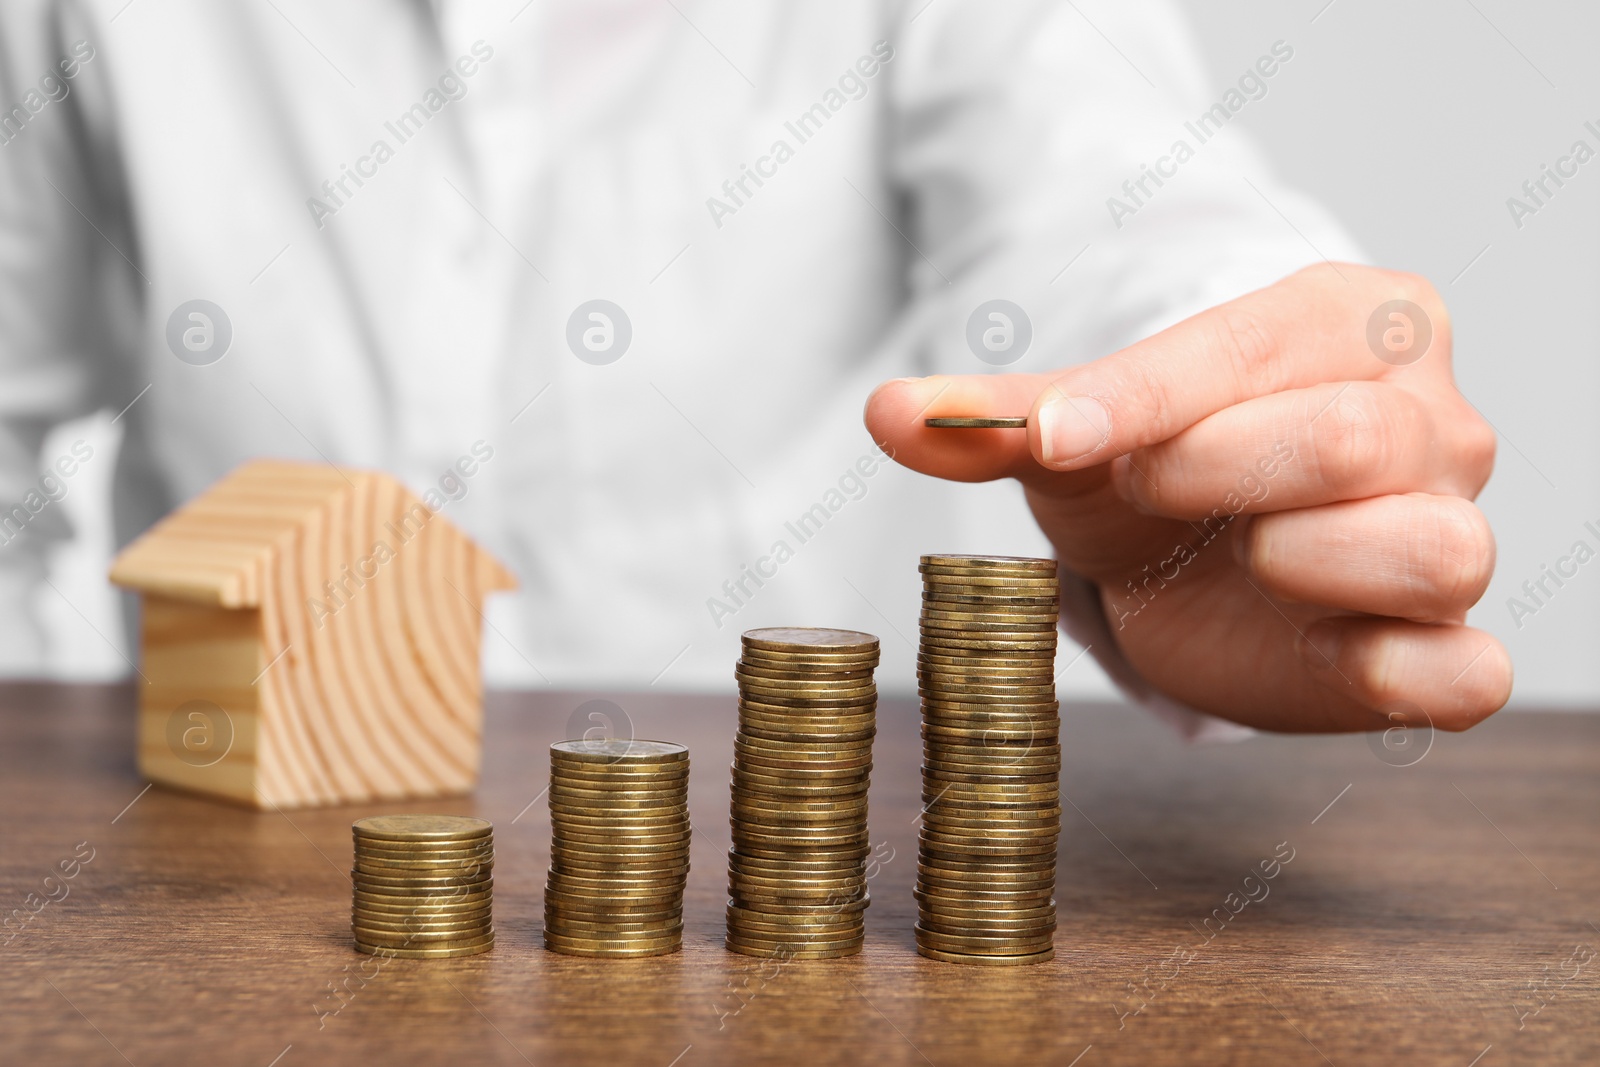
[619, 853]
[423, 886]
[991, 760]
[797, 871]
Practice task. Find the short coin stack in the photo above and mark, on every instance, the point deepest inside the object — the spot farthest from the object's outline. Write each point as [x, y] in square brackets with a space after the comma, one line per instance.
[619, 854]
[802, 757]
[422, 886]
[991, 760]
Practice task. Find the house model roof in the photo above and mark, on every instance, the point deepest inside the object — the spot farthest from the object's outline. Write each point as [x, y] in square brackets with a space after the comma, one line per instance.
[218, 548]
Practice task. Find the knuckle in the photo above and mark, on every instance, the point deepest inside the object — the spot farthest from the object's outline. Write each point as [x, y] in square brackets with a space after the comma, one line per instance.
[1477, 449]
[1421, 292]
[1250, 345]
[1354, 442]
[1452, 557]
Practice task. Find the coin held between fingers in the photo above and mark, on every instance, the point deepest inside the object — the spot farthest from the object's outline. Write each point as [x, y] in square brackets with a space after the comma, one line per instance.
[977, 422]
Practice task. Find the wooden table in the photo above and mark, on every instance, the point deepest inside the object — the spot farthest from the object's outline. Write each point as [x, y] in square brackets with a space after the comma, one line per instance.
[1426, 913]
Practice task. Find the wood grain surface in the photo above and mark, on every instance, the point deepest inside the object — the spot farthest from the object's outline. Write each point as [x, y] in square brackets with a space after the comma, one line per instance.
[1438, 913]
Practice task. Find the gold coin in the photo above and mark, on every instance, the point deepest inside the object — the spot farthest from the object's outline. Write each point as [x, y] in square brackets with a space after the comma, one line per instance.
[782, 886]
[424, 850]
[958, 623]
[620, 857]
[937, 846]
[970, 895]
[595, 952]
[949, 910]
[802, 673]
[823, 925]
[406, 940]
[797, 946]
[459, 876]
[621, 840]
[423, 899]
[788, 839]
[935, 883]
[758, 796]
[935, 690]
[824, 753]
[982, 561]
[793, 903]
[991, 762]
[787, 918]
[619, 750]
[618, 781]
[637, 864]
[392, 917]
[425, 953]
[988, 642]
[602, 911]
[798, 832]
[942, 678]
[948, 823]
[976, 422]
[561, 809]
[934, 878]
[768, 819]
[763, 851]
[805, 867]
[978, 600]
[1002, 946]
[579, 922]
[858, 692]
[805, 681]
[382, 883]
[579, 880]
[802, 756]
[595, 936]
[665, 795]
[999, 870]
[802, 718]
[984, 961]
[986, 581]
[363, 925]
[782, 733]
[821, 662]
[785, 952]
[816, 771]
[597, 821]
[776, 778]
[426, 828]
[620, 877]
[809, 639]
[613, 904]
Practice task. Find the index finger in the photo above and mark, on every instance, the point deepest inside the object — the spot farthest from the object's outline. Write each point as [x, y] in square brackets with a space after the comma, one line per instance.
[1308, 329]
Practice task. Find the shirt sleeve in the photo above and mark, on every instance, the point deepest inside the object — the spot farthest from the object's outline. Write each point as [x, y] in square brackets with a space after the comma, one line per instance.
[1077, 160]
[66, 274]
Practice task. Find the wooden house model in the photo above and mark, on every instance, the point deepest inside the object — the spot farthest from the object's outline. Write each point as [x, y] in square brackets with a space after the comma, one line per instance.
[310, 636]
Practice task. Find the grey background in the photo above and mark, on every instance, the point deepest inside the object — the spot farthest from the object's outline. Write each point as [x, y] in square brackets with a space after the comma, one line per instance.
[1415, 122]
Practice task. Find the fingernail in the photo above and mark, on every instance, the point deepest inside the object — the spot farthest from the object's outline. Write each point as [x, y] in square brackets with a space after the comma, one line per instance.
[1319, 648]
[1071, 427]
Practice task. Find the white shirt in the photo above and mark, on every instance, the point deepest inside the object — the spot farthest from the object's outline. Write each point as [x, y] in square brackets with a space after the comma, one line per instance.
[536, 156]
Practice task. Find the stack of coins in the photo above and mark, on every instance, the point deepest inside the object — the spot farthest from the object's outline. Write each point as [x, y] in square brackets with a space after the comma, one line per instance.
[796, 873]
[619, 854]
[991, 760]
[422, 886]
